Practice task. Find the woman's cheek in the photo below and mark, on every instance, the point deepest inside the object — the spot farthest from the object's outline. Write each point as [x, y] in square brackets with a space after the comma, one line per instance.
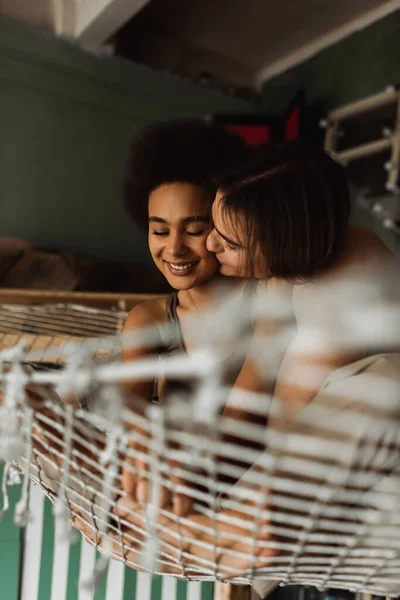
[199, 246]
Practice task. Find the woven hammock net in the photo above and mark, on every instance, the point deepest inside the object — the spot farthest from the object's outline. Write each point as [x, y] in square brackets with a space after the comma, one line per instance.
[317, 503]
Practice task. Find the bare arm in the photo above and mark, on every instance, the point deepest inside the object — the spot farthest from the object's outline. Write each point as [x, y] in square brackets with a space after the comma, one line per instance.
[143, 316]
[321, 305]
[267, 349]
[327, 336]
[259, 371]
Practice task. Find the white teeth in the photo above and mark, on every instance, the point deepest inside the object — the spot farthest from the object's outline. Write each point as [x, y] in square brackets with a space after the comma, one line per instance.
[183, 267]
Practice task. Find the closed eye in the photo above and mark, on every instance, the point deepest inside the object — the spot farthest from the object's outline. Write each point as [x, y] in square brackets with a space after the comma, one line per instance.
[190, 233]
[234, 248]
[196, 233]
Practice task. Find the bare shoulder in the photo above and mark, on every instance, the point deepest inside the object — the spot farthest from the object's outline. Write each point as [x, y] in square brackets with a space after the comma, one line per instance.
[274, 299]
[147, 315]
[363, 246]
[366, 264]
[151, 312]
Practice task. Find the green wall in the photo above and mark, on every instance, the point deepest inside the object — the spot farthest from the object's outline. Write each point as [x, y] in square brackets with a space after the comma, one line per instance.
[66, 117]
[360, 65]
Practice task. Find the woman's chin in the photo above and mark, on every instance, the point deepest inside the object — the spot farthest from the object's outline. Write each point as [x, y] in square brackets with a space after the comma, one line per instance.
[187, 283]
[227, 270]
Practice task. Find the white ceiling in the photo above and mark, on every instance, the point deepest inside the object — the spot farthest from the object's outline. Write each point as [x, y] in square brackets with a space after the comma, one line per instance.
[241, 41]
[92, 21]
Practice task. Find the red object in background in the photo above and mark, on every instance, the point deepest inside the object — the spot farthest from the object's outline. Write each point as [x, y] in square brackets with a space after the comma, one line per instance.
[292, 125]
[255, 135]
[260, 129]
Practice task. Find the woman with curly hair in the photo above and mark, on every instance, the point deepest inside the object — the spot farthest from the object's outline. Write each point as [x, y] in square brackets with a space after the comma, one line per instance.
[169, 190]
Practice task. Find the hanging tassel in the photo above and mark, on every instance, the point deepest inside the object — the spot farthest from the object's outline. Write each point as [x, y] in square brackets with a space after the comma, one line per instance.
[108, 405]
[22, 509]
[92, 584]
[157, 448]
[10, 477]
[4, 491]
[14, 398]
[77, 375]
[59, 509]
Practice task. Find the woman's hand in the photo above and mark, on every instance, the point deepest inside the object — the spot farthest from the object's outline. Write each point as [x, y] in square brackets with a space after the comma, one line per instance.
[136, 481]
[197, 544]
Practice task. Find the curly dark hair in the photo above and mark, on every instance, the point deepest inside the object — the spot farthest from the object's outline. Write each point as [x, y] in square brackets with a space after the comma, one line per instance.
[183, 150]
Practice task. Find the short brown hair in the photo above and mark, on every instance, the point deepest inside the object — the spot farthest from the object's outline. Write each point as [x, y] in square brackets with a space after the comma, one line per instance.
[295, 203]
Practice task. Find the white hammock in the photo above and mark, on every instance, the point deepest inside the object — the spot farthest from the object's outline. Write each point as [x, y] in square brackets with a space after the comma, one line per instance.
[320, 505]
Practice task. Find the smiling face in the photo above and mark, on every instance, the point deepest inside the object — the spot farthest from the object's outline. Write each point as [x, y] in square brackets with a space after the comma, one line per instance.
[228, 241]
[179, 223]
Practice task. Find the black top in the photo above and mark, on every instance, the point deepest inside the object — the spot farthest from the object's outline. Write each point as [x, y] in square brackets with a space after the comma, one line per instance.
[173, 342]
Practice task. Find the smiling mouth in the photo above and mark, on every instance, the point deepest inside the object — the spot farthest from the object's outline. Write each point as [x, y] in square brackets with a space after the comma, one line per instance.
[182, 268]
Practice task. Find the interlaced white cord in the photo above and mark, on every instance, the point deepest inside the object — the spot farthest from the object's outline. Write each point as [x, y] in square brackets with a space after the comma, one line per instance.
[319, 505]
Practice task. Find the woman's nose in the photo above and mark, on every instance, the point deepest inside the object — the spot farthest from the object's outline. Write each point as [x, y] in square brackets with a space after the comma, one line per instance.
[212, 243]
[176, 245]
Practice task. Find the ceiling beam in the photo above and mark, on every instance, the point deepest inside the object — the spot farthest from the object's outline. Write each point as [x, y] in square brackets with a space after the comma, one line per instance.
[97, 20]
[64, 16]
[305, 52]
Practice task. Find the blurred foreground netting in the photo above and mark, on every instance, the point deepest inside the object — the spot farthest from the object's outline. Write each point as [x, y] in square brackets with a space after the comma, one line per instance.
[315, 503]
